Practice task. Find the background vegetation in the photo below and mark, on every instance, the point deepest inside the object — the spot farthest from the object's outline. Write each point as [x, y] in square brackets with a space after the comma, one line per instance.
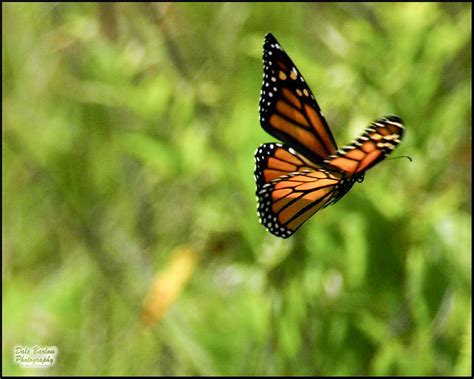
[130, 239]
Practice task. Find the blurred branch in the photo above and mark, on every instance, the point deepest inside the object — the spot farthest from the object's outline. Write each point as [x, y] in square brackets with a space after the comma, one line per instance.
[108, 18]
[77, 222]
[158, 17]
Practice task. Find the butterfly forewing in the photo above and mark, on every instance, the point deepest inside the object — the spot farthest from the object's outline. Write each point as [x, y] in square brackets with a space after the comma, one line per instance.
[288, 108]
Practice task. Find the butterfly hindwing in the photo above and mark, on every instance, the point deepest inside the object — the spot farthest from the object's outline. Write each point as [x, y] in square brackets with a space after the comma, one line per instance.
[288, 108]
[290, 189]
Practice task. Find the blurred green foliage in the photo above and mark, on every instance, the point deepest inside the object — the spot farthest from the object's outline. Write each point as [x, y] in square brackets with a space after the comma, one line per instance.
[129, 129]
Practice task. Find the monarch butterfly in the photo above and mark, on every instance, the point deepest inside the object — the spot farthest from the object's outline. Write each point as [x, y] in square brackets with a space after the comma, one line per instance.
[307, 172]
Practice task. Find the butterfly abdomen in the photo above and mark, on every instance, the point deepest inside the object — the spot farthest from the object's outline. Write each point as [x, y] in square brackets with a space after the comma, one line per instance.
[343, 187]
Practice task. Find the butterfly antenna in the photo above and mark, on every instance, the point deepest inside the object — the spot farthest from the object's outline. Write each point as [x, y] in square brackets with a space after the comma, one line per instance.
[400, 156]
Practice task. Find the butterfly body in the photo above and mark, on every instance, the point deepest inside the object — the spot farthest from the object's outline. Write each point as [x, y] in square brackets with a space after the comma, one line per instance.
[307, 172]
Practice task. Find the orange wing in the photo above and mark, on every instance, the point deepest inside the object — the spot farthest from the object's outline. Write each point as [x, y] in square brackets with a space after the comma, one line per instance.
[378, 140]
[296, 180]
[288, 108]
[290, 189]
